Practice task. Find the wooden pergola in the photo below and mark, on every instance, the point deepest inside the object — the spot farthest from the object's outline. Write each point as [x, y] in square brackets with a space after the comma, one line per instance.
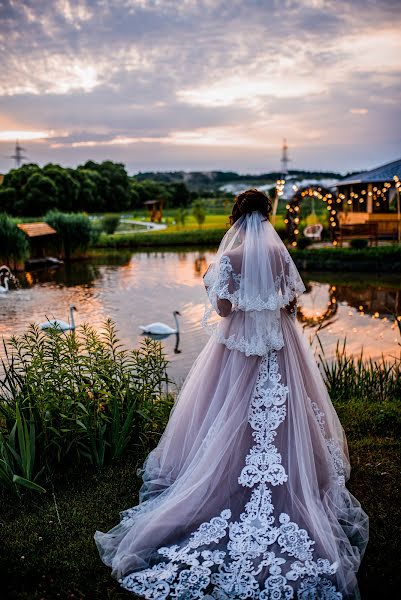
[155, 209]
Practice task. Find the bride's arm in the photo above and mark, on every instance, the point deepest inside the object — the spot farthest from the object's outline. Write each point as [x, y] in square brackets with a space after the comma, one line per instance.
[223, 306]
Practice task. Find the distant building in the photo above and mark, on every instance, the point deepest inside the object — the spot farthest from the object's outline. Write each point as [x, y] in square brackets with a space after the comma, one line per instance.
[372, 199]
[41, 238]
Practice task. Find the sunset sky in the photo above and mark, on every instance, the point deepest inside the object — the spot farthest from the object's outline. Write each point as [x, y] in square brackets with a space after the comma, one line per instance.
[201, 85]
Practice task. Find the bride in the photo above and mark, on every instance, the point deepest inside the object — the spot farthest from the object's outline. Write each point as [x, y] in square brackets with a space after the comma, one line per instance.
[244, 496]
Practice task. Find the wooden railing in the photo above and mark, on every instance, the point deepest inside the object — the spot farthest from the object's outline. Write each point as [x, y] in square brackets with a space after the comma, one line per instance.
[368, 231]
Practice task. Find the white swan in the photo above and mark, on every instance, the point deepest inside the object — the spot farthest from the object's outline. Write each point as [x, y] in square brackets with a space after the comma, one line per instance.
[62, 325]
[161, 328]
[5, 288]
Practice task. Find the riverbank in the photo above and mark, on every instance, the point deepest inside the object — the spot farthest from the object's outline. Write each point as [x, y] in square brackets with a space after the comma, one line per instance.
[381, 259]
[386, 259]
[157, 239]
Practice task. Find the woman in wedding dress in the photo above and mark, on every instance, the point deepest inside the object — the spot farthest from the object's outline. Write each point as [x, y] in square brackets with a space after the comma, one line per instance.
[244, 496]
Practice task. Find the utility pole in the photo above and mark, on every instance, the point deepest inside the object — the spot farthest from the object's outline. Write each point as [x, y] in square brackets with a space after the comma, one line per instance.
[284, 159]
[18, 156]
[281, 182]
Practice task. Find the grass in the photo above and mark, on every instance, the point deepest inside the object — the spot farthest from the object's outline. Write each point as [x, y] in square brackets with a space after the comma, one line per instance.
[157, 239]
[47, 549]
[210, 233]
[61, 561]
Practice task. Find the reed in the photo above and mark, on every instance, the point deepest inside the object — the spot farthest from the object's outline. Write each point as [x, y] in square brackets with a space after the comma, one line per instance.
[76, 398]
[348, 377]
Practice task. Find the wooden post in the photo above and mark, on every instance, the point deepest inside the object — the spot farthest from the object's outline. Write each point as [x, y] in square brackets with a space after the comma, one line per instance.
[369, 202]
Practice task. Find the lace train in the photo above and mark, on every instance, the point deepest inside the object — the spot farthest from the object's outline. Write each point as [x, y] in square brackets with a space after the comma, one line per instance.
[244, 496]
[266, 555]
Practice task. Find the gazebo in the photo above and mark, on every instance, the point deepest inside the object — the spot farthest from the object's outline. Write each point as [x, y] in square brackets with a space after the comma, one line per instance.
[155, 210]
[370, 203]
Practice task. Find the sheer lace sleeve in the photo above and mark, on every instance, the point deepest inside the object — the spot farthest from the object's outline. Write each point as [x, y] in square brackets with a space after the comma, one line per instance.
[221, 283]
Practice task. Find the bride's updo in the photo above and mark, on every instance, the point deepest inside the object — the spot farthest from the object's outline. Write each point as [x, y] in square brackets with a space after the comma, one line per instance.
[249, 201]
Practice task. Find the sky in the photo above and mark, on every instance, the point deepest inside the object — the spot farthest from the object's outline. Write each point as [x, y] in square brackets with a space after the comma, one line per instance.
[201, 84]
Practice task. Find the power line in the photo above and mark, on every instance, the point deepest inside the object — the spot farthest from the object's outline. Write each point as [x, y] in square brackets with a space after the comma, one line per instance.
[284, 158]
[19, 154]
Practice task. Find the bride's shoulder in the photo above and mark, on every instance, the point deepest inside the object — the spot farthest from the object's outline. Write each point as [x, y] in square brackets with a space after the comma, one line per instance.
[234, 258]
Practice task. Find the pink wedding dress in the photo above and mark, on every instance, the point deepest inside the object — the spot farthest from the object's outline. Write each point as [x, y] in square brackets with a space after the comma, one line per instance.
[244, 496]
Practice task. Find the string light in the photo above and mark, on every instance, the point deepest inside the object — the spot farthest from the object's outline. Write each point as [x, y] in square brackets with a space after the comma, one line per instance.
[379, 194]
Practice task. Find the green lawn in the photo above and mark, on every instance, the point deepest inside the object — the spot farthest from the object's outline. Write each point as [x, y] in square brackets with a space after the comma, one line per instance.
[212, 222]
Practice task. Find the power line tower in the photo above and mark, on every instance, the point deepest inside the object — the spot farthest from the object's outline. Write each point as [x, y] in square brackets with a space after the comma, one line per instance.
[18, 156]
[284, 158]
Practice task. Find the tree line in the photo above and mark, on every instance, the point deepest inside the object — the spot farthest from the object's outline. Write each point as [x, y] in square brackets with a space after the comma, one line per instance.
[31, 190]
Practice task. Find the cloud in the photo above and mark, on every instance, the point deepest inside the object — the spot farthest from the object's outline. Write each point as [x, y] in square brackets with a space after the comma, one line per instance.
[359, 111]
[114, 76]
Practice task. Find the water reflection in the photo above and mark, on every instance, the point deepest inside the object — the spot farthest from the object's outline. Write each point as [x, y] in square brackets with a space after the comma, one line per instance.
[160, 337]
[138, 288]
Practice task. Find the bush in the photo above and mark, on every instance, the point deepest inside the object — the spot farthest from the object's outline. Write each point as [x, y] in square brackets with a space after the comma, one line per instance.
[157, 239]
[76, 398]
[110, 222]
[358, 244]
[303, 242]
[381, 259]
[13, 243]
[74, 230]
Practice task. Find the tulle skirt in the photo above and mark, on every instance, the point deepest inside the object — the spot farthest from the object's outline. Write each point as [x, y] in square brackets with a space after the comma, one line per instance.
[244, 496]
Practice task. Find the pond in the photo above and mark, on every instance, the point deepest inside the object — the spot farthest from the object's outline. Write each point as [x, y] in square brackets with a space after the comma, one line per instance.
[141, 287]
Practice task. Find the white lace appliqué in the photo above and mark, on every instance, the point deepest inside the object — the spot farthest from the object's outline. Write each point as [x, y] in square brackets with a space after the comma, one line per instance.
[265, 557]
[338, 464]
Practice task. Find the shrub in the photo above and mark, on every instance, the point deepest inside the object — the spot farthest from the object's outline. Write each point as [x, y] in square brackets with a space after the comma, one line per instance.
[13, 243]
[199, 212]
[303, 242]
[110, 222]
[74, 398]
[358, 243]
[74, 229]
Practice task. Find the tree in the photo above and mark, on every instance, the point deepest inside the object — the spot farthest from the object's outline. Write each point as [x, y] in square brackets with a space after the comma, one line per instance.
[40, 194]
[17, 179]
[8, 199]
[13, 243]
[90, 196]
[67, 185]
[199, 212]
[179, 194]
[115, 190]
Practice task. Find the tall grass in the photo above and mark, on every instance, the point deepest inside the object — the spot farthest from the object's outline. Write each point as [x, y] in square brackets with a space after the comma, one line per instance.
[14, 246]
[74, 230]
[348, 377]
[76, 398]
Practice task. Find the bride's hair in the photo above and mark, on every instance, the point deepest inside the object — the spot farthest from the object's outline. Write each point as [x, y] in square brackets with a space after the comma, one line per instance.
[248, 202]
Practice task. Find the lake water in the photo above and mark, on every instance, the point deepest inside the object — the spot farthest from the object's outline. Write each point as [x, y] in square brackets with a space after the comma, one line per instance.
[139, 288]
